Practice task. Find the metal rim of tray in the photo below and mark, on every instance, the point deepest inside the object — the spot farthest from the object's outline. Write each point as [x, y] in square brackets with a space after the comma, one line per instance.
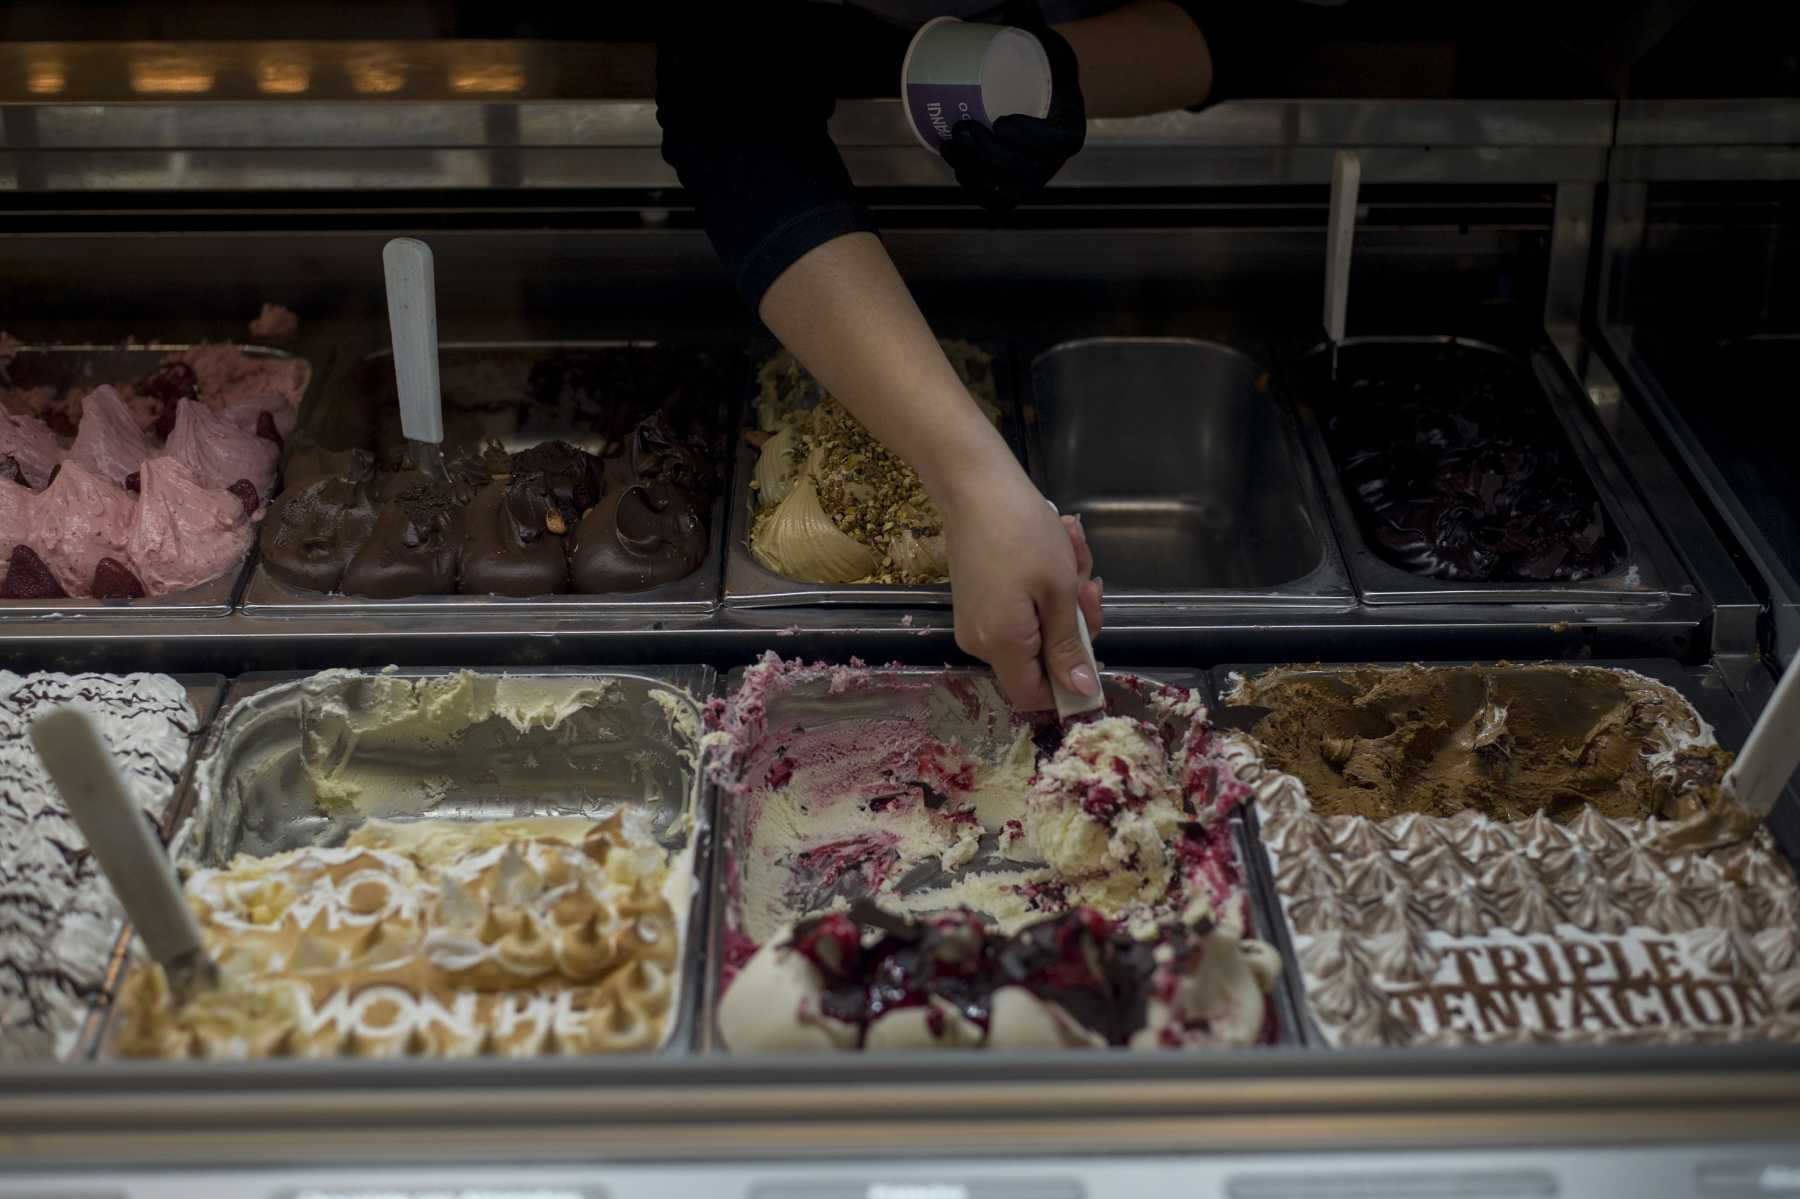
[1649, 573]
[696, 594]
[214, 598]
[697, 682]
[1326, 585]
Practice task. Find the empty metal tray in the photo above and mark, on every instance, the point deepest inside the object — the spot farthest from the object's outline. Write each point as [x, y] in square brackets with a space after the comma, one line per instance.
[1646, 570]
[1187, 472]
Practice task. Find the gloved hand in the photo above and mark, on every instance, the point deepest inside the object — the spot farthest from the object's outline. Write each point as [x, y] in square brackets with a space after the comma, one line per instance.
[1020, 154]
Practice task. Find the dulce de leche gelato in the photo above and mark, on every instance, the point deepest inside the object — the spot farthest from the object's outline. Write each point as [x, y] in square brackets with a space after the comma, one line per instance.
[426, 939]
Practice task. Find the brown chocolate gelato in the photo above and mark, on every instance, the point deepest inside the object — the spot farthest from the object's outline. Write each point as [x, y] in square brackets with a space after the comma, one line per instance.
[312, 533]
[1505, 741]
[642, 536]
[413, 548]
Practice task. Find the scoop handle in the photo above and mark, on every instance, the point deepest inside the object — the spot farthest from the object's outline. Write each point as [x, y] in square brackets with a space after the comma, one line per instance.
[1770, 755]
[1340, 234]
[134, 863]
[412, 317]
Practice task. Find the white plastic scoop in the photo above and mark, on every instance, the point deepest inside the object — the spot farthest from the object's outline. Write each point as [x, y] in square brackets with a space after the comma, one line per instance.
[136, 866]
[1340, 235]
[412, 317]
[1770, 755]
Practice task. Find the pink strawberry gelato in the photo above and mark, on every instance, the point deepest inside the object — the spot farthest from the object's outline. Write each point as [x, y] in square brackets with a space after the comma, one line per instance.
[217, 453]
[78, 520]
[29, 442]
[183, 533]
[109, 442]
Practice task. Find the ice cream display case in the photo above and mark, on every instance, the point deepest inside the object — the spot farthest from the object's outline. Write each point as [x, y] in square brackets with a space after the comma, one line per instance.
[975, 1074]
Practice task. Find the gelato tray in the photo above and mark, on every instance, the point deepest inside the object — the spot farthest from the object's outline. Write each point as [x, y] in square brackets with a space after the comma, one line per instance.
[59, 921]
[1461, 472]
[906, 862]
[584, 478]
[822, 513]
[427, 865]
[133, 479]
[1187, 472]
[1516, 855]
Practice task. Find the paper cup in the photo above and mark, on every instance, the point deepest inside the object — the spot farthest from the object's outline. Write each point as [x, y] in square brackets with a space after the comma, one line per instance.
[959, 70]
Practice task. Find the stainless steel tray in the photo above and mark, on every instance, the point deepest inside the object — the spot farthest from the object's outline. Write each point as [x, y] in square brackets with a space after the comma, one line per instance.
[259, 719]
[1649, 572]
[953, 709]
[748, 584]
[1702, 686]
[71, 365]
[698, 593]
[1187, 471]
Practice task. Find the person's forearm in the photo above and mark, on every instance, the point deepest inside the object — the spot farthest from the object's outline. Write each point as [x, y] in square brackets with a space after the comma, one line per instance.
[1146, 57]
[844, 311]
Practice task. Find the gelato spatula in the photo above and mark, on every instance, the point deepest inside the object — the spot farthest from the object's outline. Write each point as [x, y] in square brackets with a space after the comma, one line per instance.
[82, 769]
[1070, 704]
[412, 317]
[1770, 755]
[1340, 235]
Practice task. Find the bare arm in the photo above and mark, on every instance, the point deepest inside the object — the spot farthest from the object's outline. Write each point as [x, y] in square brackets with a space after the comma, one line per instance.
[1146, 57]
[1017, 573]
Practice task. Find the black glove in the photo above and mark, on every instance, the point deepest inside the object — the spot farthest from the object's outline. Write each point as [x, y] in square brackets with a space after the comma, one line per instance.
[1020, 154]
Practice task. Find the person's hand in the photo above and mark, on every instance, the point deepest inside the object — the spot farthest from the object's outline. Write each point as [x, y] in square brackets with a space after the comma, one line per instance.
[1020, 154]
[1017, 572]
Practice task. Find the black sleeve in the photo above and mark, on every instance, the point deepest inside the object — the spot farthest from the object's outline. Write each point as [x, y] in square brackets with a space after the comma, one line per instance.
[743, 97]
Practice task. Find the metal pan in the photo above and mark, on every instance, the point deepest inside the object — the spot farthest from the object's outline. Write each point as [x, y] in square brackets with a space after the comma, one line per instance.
[1701, 686]
[953, 707]
[87, 366]
[647, 762]
[484, 387]
[1188, 474]
[1647, 571]
[748, 584]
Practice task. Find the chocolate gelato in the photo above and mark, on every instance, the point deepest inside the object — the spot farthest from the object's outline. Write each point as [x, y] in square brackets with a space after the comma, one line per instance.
[1506, 741]
[639, 537]
[629, 513]
[311, 534]
[1457, 468]
[413, 548]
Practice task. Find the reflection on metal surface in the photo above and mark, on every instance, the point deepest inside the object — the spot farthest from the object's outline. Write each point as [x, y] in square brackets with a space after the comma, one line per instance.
[156, 74]
[492, 69]
[377, 71]
[45, 76]
[285, 72]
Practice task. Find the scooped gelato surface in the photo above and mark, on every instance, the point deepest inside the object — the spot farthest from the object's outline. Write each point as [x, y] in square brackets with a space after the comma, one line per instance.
[833, 505]
[1457, 468]
[1505, 741]
[911, 863]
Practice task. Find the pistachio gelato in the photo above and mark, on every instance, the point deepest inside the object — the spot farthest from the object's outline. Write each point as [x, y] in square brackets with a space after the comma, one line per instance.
[833, 505]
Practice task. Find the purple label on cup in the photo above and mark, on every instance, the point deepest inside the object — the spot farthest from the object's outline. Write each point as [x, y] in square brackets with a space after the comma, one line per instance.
[937, 107]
